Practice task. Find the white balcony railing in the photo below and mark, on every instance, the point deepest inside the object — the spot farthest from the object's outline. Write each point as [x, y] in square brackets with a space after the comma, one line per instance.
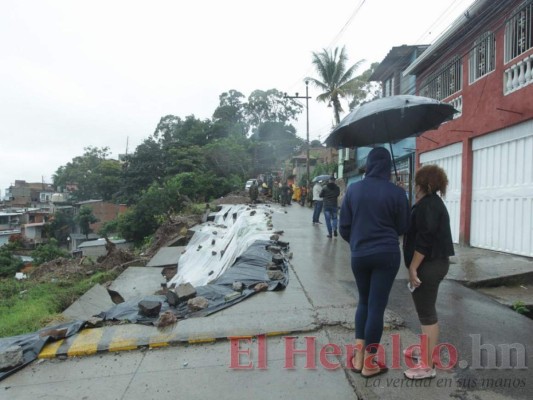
[457, 103]
[518, 75]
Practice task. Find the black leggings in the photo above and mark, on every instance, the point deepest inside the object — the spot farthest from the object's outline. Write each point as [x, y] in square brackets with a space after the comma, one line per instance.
[431, 273]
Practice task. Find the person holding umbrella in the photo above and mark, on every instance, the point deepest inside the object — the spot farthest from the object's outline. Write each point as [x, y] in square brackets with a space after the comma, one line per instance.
[427, 246]
[374, 213]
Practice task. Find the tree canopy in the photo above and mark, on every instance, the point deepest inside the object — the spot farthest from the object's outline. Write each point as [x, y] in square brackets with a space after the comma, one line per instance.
[191, 159]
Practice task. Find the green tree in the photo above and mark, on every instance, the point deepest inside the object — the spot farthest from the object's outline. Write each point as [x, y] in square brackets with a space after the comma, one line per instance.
[142, 168]
[185, 159]
[84, 219]
[172, 131]
[155, 205]
[109, 228]
[94, 176]
[229, 118]
[270, 106]
[60, 226]
[107, 175]
[9, 264]
[48, 252]
[229, 156]
[272, 143]
[335, 79]
[362, 90]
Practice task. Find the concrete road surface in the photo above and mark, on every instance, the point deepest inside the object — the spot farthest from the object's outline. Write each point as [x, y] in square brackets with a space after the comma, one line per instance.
[307, 361]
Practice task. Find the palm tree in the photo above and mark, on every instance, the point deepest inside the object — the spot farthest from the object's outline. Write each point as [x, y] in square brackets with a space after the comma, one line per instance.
[335, 80]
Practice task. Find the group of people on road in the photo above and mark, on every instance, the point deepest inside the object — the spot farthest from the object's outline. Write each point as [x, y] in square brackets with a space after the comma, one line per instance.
[373, 215]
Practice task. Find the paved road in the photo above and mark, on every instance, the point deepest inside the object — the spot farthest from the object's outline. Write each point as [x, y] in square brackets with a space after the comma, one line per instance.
[315, 310]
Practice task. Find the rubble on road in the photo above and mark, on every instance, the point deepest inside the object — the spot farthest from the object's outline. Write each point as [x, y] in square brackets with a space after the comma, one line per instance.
[231, 256]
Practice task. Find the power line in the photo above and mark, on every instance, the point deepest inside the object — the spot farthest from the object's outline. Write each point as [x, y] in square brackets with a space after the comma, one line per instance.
[343, 29]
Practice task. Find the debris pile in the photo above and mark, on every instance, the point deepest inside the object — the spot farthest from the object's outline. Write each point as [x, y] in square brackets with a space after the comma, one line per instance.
[233, 255]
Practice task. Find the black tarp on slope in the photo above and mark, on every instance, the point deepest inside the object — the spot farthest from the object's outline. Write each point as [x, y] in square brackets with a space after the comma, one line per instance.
[33, 343]
[249, 268]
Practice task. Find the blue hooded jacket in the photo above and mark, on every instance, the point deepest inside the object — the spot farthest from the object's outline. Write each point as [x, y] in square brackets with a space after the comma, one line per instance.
[374, 211]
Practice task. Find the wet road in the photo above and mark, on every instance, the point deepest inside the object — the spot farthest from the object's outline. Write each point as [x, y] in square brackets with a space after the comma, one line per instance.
[491, 340]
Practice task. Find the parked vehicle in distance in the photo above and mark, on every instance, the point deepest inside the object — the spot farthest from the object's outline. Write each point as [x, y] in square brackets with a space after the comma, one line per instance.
[249, 183]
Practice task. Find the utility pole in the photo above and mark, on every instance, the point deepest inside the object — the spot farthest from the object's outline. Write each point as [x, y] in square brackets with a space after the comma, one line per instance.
[306, 97]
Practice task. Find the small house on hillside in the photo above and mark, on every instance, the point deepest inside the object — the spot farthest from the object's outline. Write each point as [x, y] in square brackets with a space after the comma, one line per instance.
[96, 248]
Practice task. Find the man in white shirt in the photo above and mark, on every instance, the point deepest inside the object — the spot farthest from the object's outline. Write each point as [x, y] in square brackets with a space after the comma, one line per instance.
[317, 202]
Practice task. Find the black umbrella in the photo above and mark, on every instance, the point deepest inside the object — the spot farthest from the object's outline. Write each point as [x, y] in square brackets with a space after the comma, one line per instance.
[321, 178]
[389, 120]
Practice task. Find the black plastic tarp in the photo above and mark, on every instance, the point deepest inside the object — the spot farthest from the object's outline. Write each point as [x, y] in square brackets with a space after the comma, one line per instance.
[249, 269]
[33, 343]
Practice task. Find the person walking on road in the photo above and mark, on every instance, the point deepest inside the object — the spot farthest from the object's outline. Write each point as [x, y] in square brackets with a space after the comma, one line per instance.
[374, 213]
[330, 195]
[285, 194]
[317, 202]
[427, 246]
[254, 193]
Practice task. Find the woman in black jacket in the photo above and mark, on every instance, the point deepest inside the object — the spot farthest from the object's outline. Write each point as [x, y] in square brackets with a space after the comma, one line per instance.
[426, 247]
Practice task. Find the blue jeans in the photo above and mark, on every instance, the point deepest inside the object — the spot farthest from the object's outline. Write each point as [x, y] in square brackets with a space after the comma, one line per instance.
[330, 213]
[317, 210]
[374, 275]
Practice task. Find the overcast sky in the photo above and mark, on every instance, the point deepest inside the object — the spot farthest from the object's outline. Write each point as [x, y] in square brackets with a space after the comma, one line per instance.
[98, 73]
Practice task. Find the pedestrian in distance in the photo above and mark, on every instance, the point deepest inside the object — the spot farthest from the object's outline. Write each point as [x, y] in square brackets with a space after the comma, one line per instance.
[275, 192]
[254, 193]
[303, 195]
[317, 202]
[427, 246]
[285, 194]
[374, 213]
[330, 196]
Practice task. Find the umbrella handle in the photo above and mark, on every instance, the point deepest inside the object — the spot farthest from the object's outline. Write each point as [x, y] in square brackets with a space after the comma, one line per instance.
[393, 162]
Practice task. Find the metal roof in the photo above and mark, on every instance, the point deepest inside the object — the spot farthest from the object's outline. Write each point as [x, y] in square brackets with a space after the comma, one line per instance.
[99, 242]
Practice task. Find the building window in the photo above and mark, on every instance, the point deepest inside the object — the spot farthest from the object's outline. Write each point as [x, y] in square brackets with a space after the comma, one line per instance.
[445, 82]
[389, 87]
[482, 57]
[519, 32]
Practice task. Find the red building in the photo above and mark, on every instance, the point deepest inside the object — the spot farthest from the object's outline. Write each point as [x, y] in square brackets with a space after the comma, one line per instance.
[103, 211]
[483, 65]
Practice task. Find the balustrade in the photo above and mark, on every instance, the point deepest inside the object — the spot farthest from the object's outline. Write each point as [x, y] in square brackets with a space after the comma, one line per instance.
[518, 75]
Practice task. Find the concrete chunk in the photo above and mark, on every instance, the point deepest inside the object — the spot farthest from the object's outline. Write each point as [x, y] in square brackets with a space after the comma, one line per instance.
[185, 291]
[275, 275]
[277, 259]
[11, 357]
[198, 303]
[149, 308]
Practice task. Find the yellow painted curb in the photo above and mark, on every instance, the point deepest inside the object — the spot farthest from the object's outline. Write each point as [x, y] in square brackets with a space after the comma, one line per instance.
[158, 345]
[86, 342]
[50, 349]
[277, 333]
[201, 340]
[122, 345]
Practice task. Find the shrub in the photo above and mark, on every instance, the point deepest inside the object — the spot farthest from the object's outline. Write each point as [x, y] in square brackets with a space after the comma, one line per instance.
[9, 264]
[48, 252]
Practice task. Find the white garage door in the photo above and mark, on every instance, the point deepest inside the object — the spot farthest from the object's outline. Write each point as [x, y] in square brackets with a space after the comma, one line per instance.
[449, 158]
[502, 191]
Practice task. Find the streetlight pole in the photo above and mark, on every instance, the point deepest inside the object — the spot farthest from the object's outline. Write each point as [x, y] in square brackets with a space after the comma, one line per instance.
[306, 97]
